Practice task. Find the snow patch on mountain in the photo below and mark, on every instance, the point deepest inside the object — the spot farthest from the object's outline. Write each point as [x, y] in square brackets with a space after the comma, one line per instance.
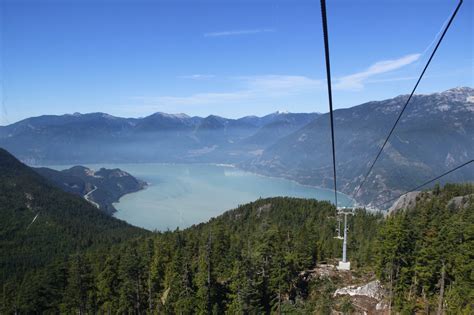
[177, 116]
[444, 108]
[303, 137]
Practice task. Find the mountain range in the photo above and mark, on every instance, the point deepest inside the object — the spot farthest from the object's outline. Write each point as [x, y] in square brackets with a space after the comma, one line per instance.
[435, 134]
[99, 137]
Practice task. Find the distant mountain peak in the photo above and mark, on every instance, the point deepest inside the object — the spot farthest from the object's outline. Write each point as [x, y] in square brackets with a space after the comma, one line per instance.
[215, 117]
[453, 92]
[107, 116]
[89, 115]
[459, 89]
[179, 115]
[460, 94]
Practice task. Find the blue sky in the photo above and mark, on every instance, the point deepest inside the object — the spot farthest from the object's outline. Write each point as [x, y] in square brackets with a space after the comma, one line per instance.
[230, 58]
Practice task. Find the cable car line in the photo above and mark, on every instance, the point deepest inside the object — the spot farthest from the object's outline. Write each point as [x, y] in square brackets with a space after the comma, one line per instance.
[426, 183]
[411, 95]
[328, 78]
[328, 74]
[344, 264]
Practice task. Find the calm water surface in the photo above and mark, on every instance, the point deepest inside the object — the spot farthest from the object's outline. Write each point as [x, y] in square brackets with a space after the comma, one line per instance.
[180, 195]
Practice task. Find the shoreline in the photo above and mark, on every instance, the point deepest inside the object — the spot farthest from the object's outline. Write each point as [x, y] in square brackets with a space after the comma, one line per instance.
[233, 166]
[296, 182]
[142, 188]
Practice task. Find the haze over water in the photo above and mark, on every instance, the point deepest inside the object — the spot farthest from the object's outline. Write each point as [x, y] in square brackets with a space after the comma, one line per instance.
[180, 195]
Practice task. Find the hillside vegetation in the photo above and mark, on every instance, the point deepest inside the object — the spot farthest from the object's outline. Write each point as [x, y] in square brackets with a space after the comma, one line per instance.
[246, 261]
[40, 224]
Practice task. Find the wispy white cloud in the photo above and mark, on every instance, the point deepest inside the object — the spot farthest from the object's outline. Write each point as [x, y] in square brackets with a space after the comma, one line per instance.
[435, 39]
[239, 32]
[197, 76]
[253, 87]
[256, 88]
[357, 80]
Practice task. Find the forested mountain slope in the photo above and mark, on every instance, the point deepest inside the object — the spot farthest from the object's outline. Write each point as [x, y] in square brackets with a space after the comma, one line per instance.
[435, 134]
[40, 224]
[426, 254]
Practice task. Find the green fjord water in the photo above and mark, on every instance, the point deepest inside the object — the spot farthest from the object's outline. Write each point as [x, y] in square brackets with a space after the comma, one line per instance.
[180, 195]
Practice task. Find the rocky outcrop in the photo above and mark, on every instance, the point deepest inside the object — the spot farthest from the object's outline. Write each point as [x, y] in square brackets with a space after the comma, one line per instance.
[461, 202]
[407, 201]
[372, 290]
[365, 295]
[366, 299]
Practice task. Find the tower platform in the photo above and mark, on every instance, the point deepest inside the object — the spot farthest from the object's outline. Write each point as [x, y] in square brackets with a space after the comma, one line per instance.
[344, 265]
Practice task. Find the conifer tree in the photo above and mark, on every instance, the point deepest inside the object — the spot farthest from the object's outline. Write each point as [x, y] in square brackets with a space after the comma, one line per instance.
[108, 285]
[80, 286]
[131, 280]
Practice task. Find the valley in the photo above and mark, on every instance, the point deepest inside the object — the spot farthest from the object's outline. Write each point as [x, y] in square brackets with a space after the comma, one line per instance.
[435, 134]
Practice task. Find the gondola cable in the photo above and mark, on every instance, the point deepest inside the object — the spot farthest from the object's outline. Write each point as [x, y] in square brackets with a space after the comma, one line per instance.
[328, 78]
[410, 96]
[344, 264]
